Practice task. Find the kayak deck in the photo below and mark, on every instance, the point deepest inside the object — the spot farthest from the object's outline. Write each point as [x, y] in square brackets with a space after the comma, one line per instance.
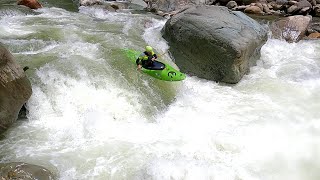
[156, 65]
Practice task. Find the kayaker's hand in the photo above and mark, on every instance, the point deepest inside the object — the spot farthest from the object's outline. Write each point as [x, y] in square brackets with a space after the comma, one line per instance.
[139, 67]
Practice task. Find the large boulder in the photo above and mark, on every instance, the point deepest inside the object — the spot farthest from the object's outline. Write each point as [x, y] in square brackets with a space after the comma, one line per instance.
[19, 170]
[33, 4]
[214, 43]
[15, 89]
[292, 28]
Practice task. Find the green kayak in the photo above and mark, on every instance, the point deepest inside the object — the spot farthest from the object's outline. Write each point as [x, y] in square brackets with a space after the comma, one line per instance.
[159, 70]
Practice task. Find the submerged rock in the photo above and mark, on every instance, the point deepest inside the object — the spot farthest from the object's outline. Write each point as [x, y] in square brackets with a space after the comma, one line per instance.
[214, 43]
[19, 170]
[15, 89]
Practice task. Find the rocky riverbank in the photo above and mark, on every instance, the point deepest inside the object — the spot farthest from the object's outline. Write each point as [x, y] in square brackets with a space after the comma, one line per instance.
[261, 7]
[278, 10]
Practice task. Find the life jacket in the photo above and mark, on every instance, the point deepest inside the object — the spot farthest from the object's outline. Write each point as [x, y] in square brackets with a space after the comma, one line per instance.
[144, 56]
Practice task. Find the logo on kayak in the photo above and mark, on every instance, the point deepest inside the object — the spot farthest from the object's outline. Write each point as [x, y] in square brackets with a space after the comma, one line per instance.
[172, 74]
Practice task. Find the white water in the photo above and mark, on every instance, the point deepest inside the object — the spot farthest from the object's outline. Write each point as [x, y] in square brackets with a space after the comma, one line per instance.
[92, 116]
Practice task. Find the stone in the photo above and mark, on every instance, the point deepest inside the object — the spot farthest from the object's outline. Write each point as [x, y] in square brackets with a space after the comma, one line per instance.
[231, 4]
[292, 3]
[292, 9]
[316, 10]
[314, 35]
[214, 43]
[15, 89]
[24, 171]
[33, 4]
[253, 10]
[266, 8]
[304, 11]
[240, 8]
[90, 2]
[292, 28]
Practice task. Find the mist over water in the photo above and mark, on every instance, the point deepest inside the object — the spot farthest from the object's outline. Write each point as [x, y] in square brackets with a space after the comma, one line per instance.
[93, 116]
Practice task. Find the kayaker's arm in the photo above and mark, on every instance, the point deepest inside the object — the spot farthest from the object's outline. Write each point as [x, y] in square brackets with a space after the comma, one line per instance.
[138, 62]
[153, 57]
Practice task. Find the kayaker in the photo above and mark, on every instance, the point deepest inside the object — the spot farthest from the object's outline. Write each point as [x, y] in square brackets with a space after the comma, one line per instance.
[146, 58]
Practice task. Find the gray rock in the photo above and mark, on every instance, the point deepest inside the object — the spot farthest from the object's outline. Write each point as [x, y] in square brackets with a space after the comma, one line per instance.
[316, 10]
[253, 10]
[292, 9]
[19, 170]
[276, 6]
[278, 12]
[231, 4]
[282, 2]
[139, 2]
[214, 43]
[292, 28]
[15, 89]
[246, 2]
[109, 8]
[305, 10]
[315, 26]
[263, 1]
[303, 3]
[260, 6]
[302, 7]
[292, 2]
[225, 2]
[312, 2]
[266, 8]
[210, 2]
[90, 2]
[240, 8]
[115, 6]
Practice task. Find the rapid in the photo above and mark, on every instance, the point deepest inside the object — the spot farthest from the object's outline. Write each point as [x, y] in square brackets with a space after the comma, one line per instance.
[93, 116]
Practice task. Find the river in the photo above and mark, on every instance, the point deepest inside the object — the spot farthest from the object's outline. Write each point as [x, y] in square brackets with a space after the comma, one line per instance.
[93, 116]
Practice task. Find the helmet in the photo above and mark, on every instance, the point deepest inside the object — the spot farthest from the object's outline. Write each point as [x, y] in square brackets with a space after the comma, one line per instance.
[149, 49]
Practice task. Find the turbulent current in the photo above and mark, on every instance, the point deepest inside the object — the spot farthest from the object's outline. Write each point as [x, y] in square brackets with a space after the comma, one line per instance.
[93, 116]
